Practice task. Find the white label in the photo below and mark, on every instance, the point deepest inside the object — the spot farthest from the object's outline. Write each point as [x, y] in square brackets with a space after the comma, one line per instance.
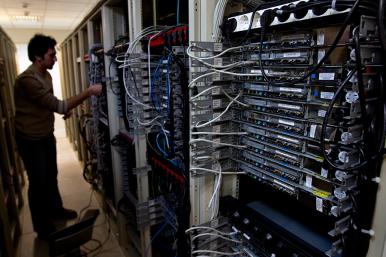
[291, 54]
[319, 204]
[217, 47]
[256, 71]
[327, 95]
[215, 166]
[216, 155]
[286, 155]
[217, 140]
[324, 173]
[287, 122]
[288, 106]
[321, 54]
[216, 91]
[288, 139]
[217, 61]
[214, 223]
[320, 38]
[326, 76]
[321, 113]
[308, 181]
[216, 103]
[312, 130]
[216, 129]
[290, 89]
[216, 77]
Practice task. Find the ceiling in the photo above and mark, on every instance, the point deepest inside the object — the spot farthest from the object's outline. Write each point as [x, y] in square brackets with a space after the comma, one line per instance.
[52, 14]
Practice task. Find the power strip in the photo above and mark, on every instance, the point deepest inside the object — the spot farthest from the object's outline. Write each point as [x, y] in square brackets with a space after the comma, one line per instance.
[243, 20]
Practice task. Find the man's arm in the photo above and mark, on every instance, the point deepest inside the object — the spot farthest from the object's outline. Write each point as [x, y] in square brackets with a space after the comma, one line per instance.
[74, 101]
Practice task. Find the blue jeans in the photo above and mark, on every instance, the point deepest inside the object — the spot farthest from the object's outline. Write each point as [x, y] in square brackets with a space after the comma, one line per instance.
[39, 157]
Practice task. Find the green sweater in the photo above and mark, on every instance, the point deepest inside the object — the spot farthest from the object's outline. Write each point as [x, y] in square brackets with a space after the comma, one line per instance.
[35, 104]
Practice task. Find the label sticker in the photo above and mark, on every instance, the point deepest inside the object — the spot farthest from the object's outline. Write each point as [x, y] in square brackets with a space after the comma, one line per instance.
[288, 106]
[216, 103]
[287, 122]
[216, 77]
[216, 155]
[288, 139]
[216, 129]
[308, 181]
[217, 47]
[320, 38]
[217, 61]
[290, 89]
[322, 113]
[216, 91]
[327, 95]
[324, 173]
[321, 54]
[319, 204]
[326, 76]
[291, 54]
[312, 130]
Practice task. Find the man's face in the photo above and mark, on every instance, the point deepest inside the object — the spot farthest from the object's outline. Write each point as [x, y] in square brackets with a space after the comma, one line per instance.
[49, 59]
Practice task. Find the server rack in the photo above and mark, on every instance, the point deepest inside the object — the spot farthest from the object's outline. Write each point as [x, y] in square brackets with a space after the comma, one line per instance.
[98, 28]
[11, 179]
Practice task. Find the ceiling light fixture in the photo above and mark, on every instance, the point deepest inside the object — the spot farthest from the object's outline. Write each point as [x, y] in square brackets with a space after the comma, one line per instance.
[26, 17]
[32, 18]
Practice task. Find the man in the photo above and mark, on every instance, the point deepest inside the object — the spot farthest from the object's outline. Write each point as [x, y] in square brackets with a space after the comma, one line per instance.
[34, 126]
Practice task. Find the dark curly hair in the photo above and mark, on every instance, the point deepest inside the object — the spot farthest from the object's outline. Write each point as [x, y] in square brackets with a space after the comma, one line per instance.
[39, 45]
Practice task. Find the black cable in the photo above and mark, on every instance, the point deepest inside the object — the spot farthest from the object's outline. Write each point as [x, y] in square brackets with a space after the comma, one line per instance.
[110, 81]
[361, 90]
[339, 35]
[381, 24]
[324, 127]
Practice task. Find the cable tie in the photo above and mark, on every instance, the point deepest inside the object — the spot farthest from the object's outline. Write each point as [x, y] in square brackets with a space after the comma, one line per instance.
[370, 232]
[376, 180]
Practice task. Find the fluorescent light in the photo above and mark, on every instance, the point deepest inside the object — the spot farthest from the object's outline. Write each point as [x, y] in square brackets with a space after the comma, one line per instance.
[30, 18]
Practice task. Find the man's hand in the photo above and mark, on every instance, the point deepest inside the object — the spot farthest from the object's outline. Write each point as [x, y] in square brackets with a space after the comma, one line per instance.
[95, 89]
[67, 115]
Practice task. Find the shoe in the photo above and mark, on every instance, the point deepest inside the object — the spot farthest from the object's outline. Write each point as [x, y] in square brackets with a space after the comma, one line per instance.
[65, 214]
[46, 231]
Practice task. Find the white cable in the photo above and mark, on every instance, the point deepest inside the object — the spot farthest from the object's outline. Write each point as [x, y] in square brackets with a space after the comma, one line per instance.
[217, 252]
[200, 77]
[188, 52]
[217, 19]
[220, 133]
[211, 229]
[214, 142]
[220, 115]
[148, 123]
[216, 172]
[200, 158]
[216, 235]
[224, 91]
[213, 202]
[148, 54]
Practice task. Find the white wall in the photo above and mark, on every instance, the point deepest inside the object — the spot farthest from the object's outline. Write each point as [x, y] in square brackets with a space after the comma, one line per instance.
[23, 62]
[22, 36]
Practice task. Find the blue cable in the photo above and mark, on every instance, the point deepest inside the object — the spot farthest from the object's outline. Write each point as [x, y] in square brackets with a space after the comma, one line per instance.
[159, 147]
[155, 78]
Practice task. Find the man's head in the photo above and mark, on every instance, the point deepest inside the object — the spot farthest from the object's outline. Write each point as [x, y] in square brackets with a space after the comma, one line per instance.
[41, 51]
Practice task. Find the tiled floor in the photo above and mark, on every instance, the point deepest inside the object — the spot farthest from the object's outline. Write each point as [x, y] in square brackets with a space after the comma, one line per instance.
[76, 195]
